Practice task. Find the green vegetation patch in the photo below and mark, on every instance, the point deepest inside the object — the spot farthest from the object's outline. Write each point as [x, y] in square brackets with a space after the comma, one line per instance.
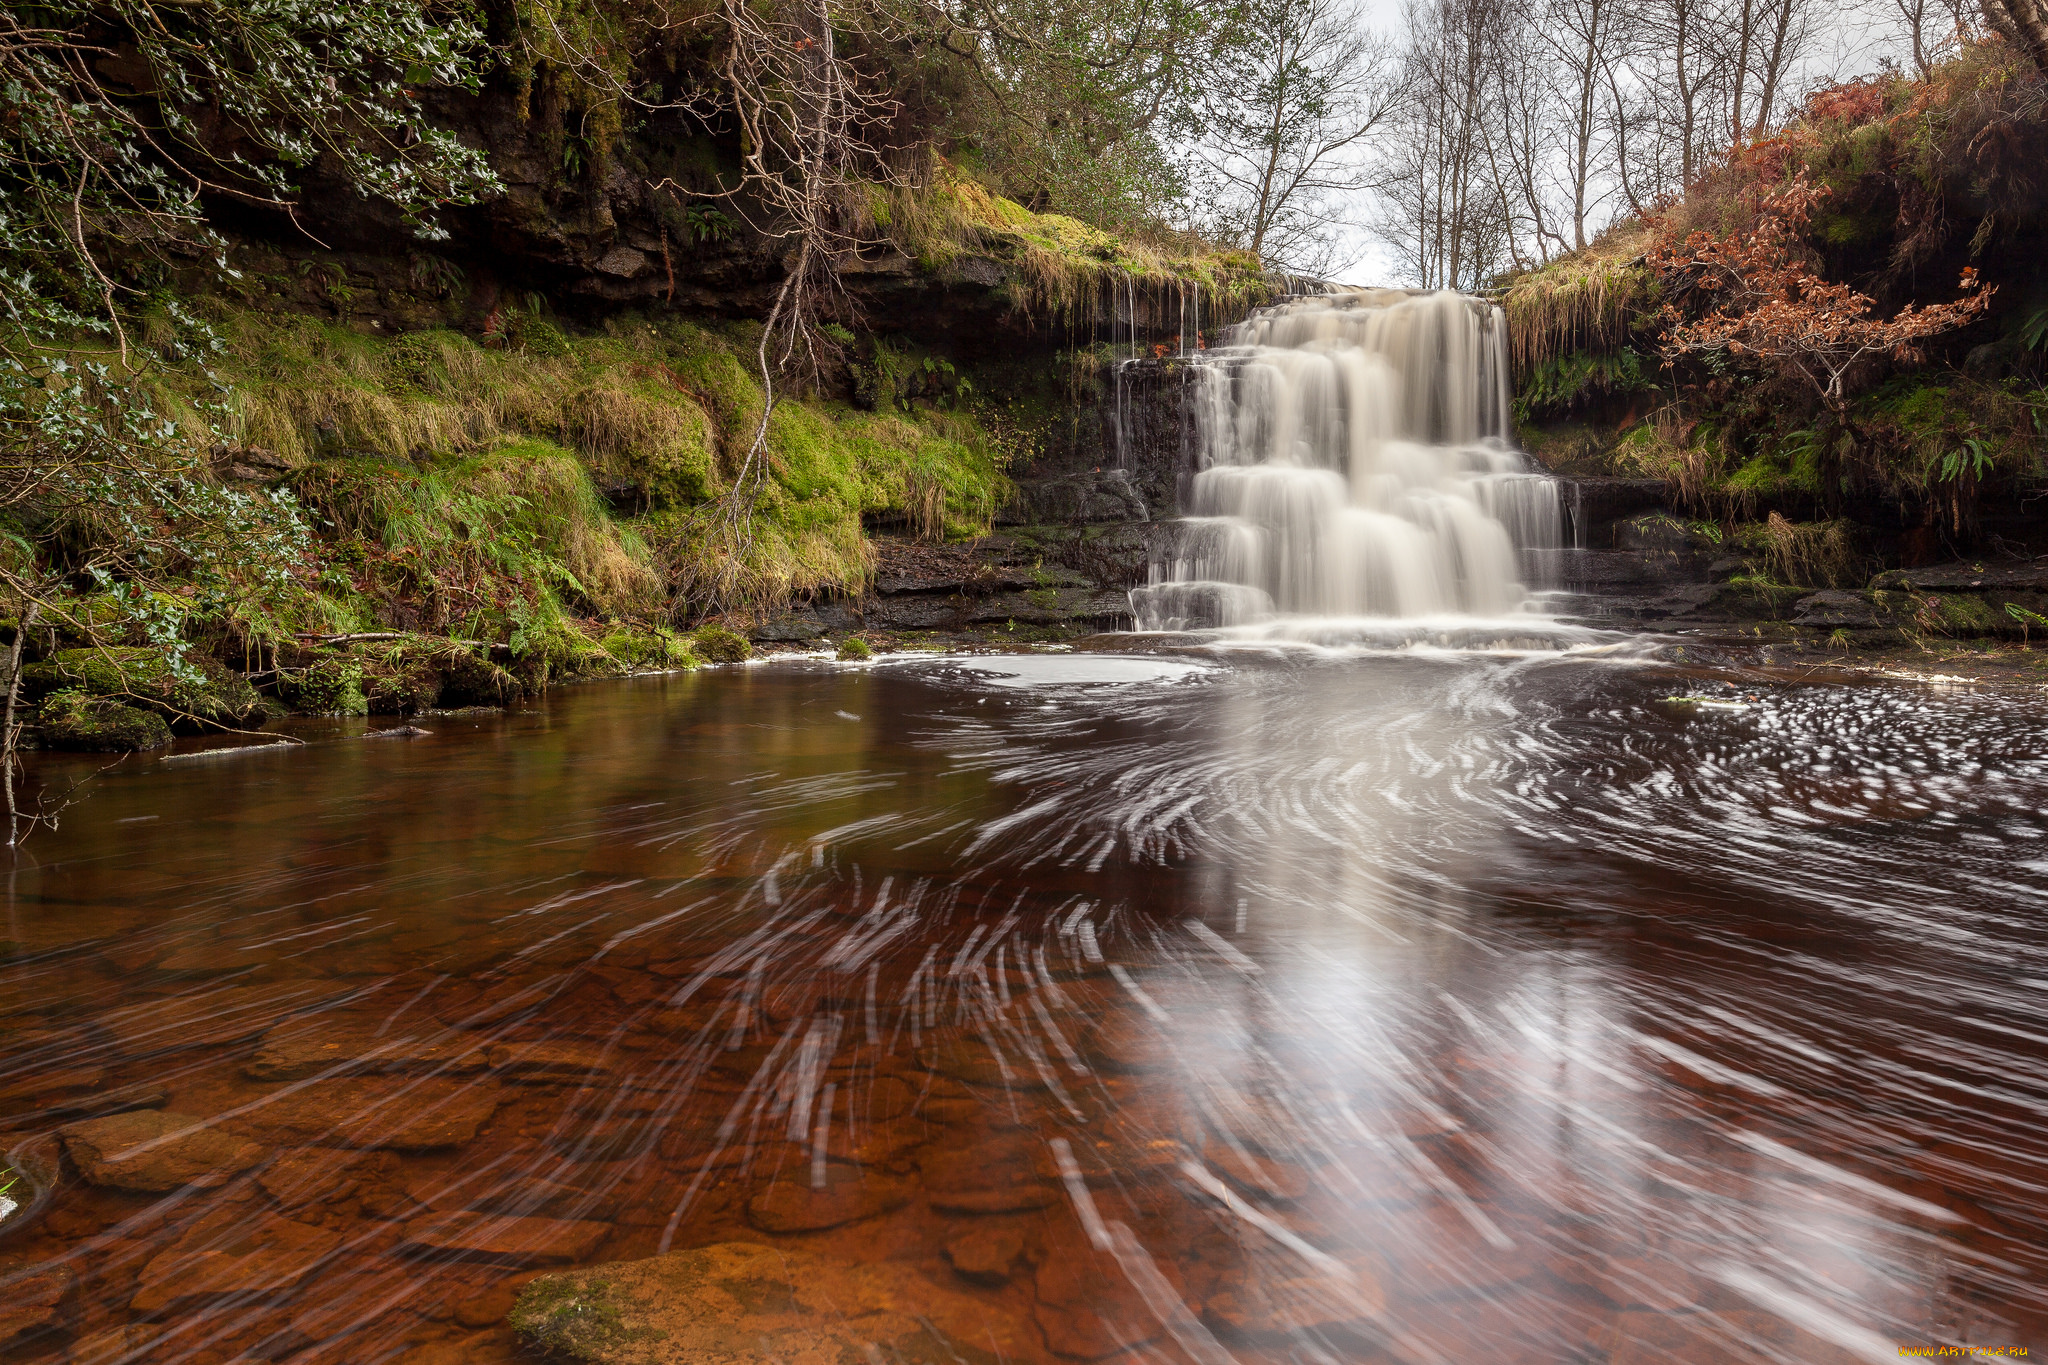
[191, 692]
[573, 1315]
[74, 719]
[330, 686]
[718, 645]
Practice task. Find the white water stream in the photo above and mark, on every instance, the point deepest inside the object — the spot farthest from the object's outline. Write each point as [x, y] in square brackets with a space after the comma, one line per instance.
[1355, 460]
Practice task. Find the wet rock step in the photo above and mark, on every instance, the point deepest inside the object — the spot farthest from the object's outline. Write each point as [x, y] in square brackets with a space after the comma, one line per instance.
[210, 1018]
[321, 1043]
[402, 1114]
[227, 1253]
[548, 1241]
[157, 1150]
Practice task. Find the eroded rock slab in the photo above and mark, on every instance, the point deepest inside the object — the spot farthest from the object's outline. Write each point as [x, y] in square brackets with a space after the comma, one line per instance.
[740, 1304]
[32, 1298]
[992, 1176]
[157, 1150]
[399, 1113]
[233, 1255]
[209, 1018]
[310, 1046]
[549, 1061]
[543, 1241]
[849, 1195]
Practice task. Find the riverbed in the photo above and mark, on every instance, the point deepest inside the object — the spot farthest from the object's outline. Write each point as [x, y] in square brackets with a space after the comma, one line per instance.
[1255, 1003]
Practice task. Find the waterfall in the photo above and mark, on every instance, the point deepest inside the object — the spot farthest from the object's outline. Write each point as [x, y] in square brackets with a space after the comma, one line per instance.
[1354, 458]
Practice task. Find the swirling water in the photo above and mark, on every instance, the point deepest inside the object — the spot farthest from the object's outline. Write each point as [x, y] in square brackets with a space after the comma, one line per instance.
[1290, 1006]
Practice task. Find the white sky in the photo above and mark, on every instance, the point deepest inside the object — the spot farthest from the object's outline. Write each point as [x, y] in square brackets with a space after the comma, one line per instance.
[1855, 42]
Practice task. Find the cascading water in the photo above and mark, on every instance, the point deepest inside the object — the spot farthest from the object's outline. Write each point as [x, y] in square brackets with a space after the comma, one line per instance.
[1354, 460]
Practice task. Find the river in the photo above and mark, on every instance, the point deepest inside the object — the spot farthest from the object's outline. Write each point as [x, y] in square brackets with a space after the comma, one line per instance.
[1266, 1003]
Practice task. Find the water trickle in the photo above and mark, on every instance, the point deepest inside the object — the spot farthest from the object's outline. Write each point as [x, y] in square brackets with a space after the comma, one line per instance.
[1354, 458]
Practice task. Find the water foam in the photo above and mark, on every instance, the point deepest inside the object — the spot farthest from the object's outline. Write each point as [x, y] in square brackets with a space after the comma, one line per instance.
[1354, 460]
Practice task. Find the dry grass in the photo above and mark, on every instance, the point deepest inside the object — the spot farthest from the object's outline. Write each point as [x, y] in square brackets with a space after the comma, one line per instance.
[1587, 301]
[1062, 269]
[1819, 554]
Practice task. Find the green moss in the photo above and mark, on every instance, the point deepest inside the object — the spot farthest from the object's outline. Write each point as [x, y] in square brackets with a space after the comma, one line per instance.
[853, 649]
[327, 687]
[76, 720]
[718, 645]
[193, 694]
[400, 681]
[1962, 614]
[573, 1316]
[643, 649]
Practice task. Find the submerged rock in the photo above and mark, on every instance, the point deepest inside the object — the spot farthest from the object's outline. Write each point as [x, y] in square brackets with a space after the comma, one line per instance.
[324, 1043]
[229, 1253]
[739, 1304]
[986, 1177]
[115, 1346]
[984, 1254]
[548, 1241]
[157, 1150]
[34, 1298]
[394, 1112]
[849, 1195]
[211, 1017]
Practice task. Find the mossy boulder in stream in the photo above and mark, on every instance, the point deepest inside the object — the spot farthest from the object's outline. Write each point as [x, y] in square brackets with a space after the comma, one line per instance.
[719, 645]
[78, 721]
[195, 694]
[634, 650]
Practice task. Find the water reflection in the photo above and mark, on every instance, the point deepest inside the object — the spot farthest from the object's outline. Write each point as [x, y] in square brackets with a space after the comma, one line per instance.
[1264, 1008]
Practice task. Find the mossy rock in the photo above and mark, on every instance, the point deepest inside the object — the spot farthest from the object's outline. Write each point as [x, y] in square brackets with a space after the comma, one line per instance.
[645, 649]
[75, 720]
[326, 687]
[853, 649]
[207, 696]
[1962, 615]
[718, 645]
[470, 679]
[1750, 599]
[399, 683]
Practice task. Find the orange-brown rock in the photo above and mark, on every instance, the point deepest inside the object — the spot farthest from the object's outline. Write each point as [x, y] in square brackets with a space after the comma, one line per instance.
[329, 1043]
[545, 1241]
[994, 1175]
[233, 1256]
[1278, 1181]
[401, 1113]
[550, 1060]
[789, 1204]
[33, 1297]
[213, 1016]
[1086, 1307]
[985, 1253]
[156, 1150]
[322, 1175]
[737, 1302]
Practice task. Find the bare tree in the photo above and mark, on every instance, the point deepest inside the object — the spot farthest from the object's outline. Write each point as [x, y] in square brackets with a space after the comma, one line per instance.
[1445, 212]
[1521, 145]
[1931, 28]
[1579, 37]
[1297, 87]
